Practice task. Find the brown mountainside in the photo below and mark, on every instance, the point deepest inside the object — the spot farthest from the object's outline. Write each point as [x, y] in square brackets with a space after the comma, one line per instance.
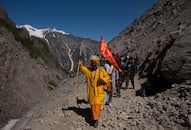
[162, 39]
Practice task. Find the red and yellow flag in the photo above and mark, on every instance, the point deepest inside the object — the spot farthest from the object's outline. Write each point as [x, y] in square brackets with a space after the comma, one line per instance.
[106, 53]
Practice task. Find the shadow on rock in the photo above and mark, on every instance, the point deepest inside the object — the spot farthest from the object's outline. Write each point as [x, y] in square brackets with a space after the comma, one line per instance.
[84, 112]
[80, 101]
[152, 86]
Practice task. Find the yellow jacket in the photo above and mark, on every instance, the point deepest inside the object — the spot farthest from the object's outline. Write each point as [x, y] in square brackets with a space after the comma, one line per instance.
[95, 93]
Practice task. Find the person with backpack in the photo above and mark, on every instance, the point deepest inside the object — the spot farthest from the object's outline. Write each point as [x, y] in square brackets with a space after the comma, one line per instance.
[96, 77]
[124, 67]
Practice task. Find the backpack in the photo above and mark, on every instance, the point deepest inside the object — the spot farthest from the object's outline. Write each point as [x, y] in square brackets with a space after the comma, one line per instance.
[124, 65]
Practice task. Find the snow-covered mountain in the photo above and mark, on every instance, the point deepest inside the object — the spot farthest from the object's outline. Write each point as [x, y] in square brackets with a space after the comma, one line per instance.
[40, 33]
[63, 46]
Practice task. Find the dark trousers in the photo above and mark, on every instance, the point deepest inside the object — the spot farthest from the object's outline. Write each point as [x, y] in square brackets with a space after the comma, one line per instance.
[124, 77]
[118, 86]
[131, 78]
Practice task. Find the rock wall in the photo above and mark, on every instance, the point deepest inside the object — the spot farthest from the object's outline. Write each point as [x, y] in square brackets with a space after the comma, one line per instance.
[161, 39]
[23, 80]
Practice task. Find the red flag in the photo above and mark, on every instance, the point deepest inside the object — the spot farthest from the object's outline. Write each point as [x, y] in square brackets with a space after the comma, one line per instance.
[105, 52]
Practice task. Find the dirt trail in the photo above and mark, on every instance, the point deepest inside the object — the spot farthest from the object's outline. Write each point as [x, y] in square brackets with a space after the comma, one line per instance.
[128, 112]
[71, 113]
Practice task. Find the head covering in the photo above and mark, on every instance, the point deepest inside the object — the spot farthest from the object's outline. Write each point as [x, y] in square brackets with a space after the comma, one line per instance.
[127, 57]
[94, 58]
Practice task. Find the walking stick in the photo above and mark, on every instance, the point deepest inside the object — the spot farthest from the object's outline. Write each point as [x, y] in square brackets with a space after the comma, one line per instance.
[78, 69]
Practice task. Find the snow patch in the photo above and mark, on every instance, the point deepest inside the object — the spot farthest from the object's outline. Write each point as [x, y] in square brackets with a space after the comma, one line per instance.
[39, 32]
[10, 124]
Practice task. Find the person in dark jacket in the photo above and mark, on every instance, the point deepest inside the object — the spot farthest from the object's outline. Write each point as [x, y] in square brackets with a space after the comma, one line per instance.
[124, 67]
[131, 72]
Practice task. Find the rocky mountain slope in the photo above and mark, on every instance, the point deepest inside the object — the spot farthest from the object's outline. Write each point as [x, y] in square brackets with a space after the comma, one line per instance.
[23, 80]
[161, 38]
[30, 68]
[63, 47]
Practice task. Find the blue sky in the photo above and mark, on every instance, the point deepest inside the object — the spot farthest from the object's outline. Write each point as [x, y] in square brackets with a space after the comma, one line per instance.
[82, 18]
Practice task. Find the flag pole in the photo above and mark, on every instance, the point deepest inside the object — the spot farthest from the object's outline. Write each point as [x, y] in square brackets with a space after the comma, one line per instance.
[78, 69]
[99, 57]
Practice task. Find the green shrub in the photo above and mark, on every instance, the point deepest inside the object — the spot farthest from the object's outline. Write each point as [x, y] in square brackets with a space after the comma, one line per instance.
[26, 42]
[52, 85]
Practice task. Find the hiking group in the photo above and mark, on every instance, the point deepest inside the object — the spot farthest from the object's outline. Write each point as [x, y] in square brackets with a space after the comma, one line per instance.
[104, 81]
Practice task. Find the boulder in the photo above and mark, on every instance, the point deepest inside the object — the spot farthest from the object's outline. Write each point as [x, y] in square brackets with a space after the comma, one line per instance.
[176, 65]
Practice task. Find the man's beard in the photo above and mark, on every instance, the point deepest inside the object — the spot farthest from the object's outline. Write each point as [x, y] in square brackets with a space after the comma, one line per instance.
[94, 67]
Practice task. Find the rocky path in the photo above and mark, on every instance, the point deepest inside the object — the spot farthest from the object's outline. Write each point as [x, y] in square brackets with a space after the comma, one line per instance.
[71, 112]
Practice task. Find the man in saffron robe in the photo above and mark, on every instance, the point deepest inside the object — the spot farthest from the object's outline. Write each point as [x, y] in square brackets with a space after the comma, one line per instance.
[96, 77]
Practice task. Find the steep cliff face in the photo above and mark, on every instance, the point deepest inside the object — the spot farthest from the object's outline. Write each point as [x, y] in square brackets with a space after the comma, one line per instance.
[24, 80]
[176, 65]
[161, 38]
[66, 49]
